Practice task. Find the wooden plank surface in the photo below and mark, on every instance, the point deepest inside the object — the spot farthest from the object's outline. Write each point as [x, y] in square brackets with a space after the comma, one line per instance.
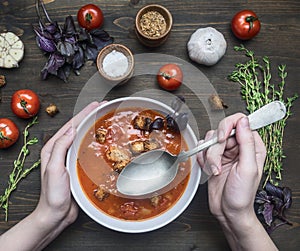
[195, 229]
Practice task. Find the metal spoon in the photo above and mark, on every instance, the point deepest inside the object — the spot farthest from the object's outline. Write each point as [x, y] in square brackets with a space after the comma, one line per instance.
[155, 169]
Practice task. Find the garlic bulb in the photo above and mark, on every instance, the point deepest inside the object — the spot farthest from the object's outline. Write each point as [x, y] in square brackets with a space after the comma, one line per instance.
[11, 50]
[207, 46]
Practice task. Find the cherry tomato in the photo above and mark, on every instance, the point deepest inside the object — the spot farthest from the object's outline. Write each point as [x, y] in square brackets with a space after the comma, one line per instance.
[245, 24]
[170, 77]
[90, 17]
[9, 133]
[25, 103]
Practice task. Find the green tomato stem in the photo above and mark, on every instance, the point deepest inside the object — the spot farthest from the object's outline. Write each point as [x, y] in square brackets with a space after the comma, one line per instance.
[251, 20]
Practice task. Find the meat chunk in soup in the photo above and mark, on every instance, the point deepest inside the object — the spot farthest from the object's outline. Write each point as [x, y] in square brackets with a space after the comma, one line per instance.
[100, 193]
[100, 135]
[120, 157]
[119, 166]
[142, 122]
[151, 144]
[137, 146]
[144, 145]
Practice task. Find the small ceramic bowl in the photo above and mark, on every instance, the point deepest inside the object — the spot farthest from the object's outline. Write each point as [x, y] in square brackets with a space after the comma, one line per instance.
[113, 66]
[158, 39]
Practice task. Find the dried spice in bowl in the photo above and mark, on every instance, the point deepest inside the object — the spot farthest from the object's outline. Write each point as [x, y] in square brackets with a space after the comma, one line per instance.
[153, 24]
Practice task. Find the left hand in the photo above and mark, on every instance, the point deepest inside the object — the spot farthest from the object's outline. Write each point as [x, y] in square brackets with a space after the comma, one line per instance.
[56, 206]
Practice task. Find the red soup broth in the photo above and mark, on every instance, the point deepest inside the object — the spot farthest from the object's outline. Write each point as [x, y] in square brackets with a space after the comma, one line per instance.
[121, 133]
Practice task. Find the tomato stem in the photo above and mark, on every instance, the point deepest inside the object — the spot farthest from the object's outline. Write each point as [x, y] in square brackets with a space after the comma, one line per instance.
[23, 104]
[166, 75]
[251, 20]
[88, 17]
[2, 137]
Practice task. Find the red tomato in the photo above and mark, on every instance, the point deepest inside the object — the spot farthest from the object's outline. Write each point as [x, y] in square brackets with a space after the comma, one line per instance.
[25, 103]
[170, 77]
[9, 133]
[90, 17]
[245, 24]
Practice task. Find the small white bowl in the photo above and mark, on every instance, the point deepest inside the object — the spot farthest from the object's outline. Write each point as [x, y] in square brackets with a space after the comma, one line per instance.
[118, 224]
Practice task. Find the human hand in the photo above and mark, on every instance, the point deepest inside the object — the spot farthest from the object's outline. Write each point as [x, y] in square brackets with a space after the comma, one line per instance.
[237, 164]
[56, 207]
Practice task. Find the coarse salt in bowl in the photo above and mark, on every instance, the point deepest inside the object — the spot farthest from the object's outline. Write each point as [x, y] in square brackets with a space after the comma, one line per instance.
[115, 63]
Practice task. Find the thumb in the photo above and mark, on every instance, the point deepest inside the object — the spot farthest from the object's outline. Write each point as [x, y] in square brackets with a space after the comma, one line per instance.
[245, 139]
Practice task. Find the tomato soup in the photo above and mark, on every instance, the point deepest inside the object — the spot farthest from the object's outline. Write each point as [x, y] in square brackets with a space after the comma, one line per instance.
[109, 145]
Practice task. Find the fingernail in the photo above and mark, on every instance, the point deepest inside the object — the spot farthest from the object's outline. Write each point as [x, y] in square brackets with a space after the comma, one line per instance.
[200, 142]
[245, 122]
[215, 170]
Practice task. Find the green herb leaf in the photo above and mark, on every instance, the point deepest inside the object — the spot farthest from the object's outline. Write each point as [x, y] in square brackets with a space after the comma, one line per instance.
[257, 90]
[19, 171]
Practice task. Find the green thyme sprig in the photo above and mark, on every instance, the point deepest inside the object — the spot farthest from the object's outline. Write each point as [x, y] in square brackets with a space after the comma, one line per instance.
[19, 171]
[257, 90]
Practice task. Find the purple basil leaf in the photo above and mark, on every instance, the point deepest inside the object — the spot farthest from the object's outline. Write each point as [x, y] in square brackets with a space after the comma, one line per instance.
[55, 61]
[70, 40]
[91, 52]
[52, 28]
[278, 204]
[268, 213]
[260, 209]
[65, 48]
[43, 33]
[100, 34]
[274, 190]
[44, 73]
[58, 36]
[100, 38]
[171, 123]
[78, 60]
[69, 27]
[287, 197]
[64, 72]
[261, 197]
[101, 43]
[45, 44]
[84, 35]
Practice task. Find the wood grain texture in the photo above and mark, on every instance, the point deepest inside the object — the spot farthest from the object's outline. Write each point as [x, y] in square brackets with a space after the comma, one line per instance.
[196, 229]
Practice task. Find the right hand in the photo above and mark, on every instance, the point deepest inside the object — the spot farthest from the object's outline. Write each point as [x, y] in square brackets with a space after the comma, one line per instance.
[237, 163]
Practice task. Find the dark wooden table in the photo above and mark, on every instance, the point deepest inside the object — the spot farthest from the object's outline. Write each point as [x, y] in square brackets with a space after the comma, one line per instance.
[196, 228]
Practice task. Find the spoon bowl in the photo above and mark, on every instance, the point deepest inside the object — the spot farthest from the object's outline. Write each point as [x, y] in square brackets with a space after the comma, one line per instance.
[154, 170]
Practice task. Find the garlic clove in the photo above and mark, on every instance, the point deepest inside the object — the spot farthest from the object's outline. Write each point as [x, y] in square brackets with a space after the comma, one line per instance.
[207, 46]
[11, 50]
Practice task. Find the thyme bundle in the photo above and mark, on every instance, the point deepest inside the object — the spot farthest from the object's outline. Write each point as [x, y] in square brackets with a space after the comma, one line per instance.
[19, 171]
[257, 90]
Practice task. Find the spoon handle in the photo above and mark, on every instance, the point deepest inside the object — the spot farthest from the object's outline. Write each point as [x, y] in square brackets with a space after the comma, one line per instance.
[264, 116]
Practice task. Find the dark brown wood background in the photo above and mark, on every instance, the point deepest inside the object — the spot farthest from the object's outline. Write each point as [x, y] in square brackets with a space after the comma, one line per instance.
[195, 229]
